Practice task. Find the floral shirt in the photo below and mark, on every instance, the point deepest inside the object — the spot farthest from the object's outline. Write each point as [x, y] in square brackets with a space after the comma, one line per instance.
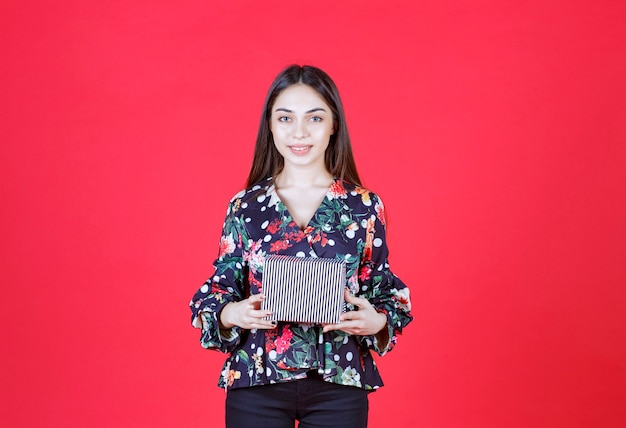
[350, 225]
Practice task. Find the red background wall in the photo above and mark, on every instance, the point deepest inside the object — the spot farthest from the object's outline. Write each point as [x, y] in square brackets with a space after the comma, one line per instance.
[494, 131]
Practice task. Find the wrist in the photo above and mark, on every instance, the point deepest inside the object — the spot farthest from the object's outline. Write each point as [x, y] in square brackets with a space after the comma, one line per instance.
[383, 322]
[223, 317]
[382, 336]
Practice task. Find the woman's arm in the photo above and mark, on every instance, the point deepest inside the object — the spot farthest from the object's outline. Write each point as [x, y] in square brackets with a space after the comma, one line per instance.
[226, 286]
[381, 293]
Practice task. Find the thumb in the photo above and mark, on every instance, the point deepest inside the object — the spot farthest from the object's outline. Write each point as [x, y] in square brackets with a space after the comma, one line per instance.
[256, 299]
[349, 298]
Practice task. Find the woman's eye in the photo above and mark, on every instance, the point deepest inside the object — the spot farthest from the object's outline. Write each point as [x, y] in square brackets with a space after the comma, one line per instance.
[283, 119]
[316, 119]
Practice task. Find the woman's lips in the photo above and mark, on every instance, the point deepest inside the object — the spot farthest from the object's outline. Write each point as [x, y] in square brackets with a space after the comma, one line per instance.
[299, 150]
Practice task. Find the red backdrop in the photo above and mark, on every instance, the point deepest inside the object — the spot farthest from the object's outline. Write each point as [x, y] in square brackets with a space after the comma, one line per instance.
[494, 130]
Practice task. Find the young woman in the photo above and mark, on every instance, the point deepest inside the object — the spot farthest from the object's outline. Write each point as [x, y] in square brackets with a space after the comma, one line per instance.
[303, 199]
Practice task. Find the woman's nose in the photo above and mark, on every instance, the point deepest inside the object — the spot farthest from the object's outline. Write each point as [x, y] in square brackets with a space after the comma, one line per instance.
[301, 129]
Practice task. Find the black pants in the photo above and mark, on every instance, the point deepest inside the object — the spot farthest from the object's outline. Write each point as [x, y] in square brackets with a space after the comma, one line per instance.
[312, 401]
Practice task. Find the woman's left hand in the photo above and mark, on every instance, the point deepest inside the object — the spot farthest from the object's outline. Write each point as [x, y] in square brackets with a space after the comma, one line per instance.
[364, 322]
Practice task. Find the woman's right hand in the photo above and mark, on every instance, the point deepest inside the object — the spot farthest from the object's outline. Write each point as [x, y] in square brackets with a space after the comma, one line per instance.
[246, 314]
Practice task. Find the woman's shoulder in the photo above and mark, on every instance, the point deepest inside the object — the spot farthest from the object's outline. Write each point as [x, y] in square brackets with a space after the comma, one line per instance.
[358, 193]
[360, 200]
[256, 192]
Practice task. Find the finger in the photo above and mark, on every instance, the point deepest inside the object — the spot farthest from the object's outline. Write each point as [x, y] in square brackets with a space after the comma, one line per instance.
[264, 324]
[255, 300]
[348, 327]
[330, 327]
[353, 300]
[351, 316]
[257, 313]
[254, 322]
[344, 324]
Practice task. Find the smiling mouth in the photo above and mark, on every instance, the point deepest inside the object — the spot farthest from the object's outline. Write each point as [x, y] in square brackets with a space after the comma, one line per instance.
[300, 149]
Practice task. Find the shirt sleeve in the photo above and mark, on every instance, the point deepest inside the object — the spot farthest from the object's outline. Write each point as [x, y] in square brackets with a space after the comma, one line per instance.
[385, 291]
[226, 285]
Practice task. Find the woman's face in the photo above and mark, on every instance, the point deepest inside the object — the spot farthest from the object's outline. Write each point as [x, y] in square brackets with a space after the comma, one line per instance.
[301, 124]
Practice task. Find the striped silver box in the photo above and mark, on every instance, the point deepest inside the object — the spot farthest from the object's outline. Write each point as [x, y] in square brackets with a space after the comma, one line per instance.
[304, 290]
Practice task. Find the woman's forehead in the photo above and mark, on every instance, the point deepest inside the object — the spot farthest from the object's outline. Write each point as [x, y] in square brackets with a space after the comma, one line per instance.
[300, 97]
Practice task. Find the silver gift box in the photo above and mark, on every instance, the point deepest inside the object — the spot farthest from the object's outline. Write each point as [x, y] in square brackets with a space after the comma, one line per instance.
[303, 289]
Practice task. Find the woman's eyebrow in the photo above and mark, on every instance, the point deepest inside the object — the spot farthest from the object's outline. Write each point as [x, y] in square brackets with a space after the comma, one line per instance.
[313, 110]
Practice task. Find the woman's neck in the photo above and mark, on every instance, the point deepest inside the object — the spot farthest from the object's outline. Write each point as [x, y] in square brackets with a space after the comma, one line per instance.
[303, 177]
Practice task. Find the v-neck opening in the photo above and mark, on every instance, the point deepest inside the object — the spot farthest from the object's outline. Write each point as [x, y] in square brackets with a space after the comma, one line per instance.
[308, 225]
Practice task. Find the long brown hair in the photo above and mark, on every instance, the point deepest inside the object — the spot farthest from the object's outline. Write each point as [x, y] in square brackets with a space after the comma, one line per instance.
[339, 160]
